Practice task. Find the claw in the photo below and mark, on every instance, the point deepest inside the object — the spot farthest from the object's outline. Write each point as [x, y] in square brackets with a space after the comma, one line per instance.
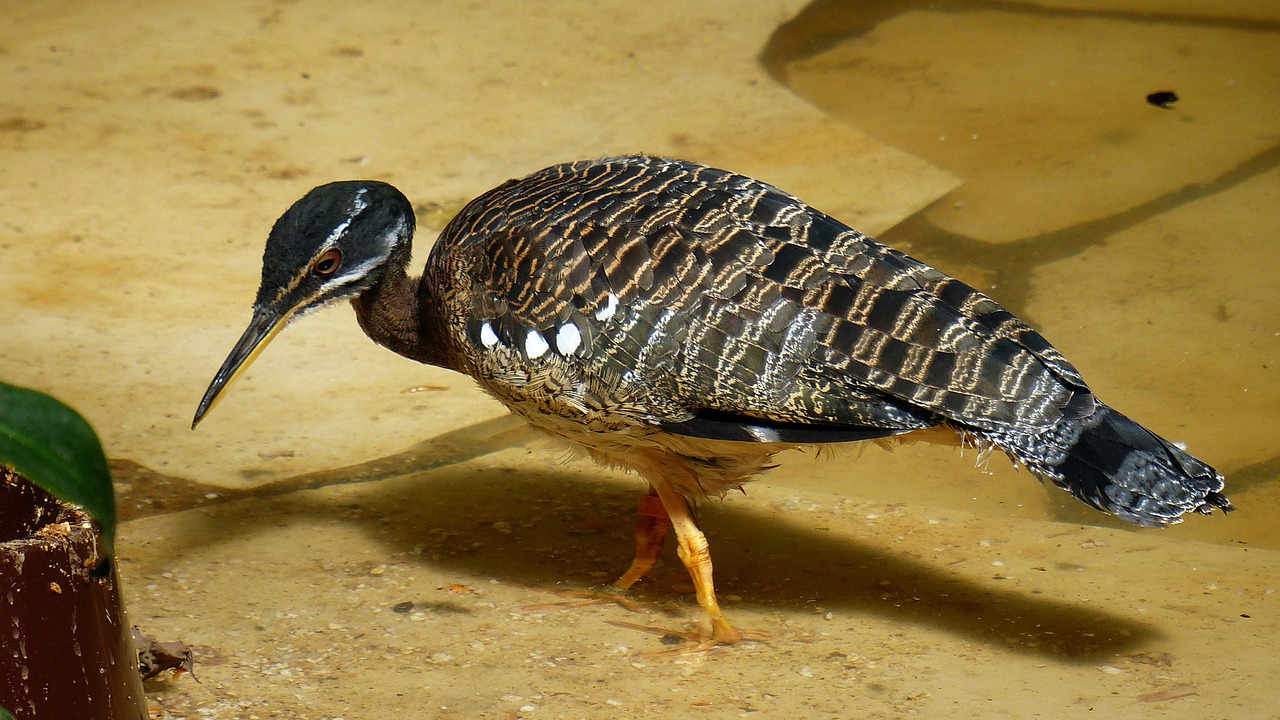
[603, 596]
[688, 643]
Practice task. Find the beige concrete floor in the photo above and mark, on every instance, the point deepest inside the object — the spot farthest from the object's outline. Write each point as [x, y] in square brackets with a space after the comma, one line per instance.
[148, 146]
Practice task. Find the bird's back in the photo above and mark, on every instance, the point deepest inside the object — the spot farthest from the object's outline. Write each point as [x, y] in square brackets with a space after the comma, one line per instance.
[684, 290]
[640, 294]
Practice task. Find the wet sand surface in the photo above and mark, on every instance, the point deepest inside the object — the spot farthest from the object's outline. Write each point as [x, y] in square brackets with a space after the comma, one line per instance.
[351, 535]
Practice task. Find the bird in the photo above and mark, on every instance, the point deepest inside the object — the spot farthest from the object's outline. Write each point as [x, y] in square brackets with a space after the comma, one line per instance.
[688, 323]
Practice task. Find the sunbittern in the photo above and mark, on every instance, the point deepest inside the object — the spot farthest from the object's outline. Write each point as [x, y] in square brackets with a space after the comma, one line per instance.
[688, 323]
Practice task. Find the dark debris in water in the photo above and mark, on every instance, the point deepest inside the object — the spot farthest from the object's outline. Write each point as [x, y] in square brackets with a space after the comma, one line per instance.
[1163, 99]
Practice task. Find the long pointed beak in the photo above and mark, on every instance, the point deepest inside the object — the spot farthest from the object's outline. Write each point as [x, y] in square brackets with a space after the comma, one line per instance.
[262, 328]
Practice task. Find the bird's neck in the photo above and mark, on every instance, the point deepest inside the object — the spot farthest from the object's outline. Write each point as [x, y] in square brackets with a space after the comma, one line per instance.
[390, 313]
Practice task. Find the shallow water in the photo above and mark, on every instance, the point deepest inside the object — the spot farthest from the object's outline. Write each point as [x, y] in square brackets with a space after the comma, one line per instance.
[1139, 239]
[147, 147]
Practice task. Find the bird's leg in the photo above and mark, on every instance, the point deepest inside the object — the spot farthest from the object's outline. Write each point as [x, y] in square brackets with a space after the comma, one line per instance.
[652, 526]
[693, 551]
[659, 511]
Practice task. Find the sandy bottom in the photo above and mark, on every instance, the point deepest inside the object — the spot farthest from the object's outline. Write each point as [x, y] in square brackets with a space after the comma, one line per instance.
[414, 597]
[147, 147]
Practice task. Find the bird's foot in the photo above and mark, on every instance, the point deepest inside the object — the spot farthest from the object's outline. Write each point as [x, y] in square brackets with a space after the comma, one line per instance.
[686, 643]
[581, 598]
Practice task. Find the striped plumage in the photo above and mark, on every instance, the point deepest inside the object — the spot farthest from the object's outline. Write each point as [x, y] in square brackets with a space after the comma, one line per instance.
[689, 323]
[743, 314]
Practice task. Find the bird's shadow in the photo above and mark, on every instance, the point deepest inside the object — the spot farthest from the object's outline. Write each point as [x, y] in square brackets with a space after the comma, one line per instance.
[540, 528]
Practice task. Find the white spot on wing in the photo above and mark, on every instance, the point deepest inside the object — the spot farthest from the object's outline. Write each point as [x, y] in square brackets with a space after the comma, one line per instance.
[568, 338]
[610, 307]
[535, 346]
[488, 337]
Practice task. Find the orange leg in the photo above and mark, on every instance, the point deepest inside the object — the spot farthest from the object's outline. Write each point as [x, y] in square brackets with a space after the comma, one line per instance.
[652, 526]
[661, 510]
[693, 551]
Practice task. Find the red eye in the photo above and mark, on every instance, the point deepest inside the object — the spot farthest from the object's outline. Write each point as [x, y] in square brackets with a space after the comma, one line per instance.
[327, 264]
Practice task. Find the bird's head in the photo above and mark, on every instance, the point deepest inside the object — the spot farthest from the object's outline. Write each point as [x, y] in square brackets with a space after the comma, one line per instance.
[333, 244]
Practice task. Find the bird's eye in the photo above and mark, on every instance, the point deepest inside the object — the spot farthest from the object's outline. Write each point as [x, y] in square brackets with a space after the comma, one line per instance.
[327, 264]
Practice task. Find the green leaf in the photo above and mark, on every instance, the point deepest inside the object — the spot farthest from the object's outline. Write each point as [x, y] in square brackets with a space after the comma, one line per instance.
[5, 714]
[53, 447]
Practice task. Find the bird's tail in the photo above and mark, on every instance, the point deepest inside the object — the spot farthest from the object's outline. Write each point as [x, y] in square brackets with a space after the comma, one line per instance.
[1116, 465]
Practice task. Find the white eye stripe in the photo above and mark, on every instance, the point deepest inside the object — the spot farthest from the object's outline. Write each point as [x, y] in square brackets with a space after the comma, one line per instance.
[357, 207]
[358, 272]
